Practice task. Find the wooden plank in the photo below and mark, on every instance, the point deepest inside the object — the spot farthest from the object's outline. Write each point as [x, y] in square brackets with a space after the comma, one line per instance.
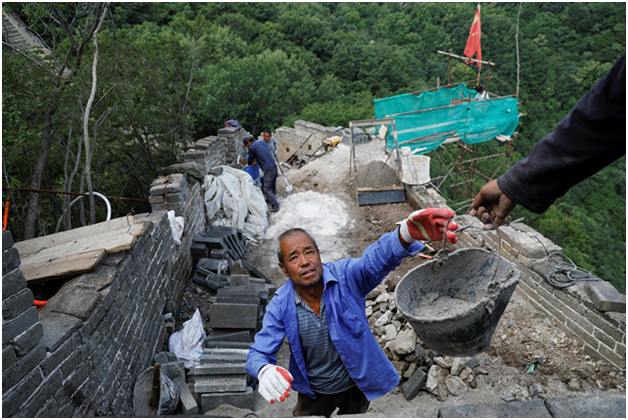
[62, 266]
[32, 246]
[113, 241]
[380, 189]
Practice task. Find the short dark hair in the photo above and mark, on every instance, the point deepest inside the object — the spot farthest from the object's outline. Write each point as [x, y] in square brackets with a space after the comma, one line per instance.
[267, 131]
[247, 139]
[291, 232]
[479, 88]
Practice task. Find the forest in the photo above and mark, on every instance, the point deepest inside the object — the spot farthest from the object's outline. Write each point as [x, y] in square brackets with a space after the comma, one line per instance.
[117, 90]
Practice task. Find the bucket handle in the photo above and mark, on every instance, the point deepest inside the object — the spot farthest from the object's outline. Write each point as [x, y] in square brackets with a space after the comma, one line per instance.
[444, 251]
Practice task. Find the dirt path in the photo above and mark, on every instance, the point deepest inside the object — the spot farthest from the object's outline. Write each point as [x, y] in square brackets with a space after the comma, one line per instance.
[344, 229]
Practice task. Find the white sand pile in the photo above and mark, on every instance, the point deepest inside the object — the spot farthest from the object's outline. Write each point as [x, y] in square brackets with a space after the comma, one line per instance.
[323, 216]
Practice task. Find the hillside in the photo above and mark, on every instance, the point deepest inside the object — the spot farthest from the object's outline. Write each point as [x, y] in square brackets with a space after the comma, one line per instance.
[170, 73]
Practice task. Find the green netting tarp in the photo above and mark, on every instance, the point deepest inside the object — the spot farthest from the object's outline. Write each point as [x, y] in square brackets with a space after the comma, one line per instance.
[472, 122]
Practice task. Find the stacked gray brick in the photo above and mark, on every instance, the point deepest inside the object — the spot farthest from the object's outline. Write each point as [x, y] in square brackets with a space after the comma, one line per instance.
[231, 139]
[169, 193]
[221, 377]
[81, 354]
[206, 153]
[22, 352]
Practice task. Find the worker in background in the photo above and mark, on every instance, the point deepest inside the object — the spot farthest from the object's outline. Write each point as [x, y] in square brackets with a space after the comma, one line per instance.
[260, 153]
[590, 137]
[335, 361]
[481, 94]
[270, 141]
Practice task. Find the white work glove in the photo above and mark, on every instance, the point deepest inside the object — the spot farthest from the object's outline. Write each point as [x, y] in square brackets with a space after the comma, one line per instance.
[428, 225]
[274, 383]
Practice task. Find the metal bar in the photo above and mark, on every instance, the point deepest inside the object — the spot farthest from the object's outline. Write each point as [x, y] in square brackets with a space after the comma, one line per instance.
[397, 148]
[463, 182]
[448, 85]
[484, 157]
[372, 122]
[37, 190]
[466, 58]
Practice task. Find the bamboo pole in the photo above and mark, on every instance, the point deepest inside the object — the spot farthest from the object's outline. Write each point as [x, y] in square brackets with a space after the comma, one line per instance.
[466, 58]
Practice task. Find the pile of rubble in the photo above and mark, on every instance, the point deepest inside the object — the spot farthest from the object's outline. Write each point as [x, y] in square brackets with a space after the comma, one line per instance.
[419, 368]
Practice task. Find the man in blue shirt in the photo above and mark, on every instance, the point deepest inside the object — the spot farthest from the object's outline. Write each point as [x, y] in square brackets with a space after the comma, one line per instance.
[335, 361]
[260, 153]
[270, 141]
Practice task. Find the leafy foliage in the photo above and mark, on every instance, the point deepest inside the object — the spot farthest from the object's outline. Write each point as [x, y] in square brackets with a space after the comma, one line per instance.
[170, 73]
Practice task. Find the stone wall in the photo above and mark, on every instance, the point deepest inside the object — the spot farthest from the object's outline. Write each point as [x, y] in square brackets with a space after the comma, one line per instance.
[80, 355]
[589, 312]
[290, 139]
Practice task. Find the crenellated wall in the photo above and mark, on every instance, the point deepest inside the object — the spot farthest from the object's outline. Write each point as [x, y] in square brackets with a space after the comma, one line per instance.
[81, 354]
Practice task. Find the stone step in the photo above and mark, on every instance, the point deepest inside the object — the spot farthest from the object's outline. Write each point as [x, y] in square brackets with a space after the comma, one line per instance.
[220, 383]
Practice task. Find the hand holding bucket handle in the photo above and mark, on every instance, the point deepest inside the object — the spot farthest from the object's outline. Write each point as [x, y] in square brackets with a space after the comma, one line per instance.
[429, 224]
[274, 383]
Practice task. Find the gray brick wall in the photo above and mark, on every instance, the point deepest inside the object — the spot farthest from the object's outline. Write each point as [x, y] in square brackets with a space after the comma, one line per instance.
[601, 334]
[80, 354]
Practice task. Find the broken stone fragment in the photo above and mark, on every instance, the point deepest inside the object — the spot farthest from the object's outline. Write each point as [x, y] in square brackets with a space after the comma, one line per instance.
[384, 297]
[405, 342]
[410, 370]
[456, 366]
[433, 375]
[466, 374]
[390, 332]
[442, 393]
[507, 397]
[384, 319]
[456, 386]
[480, 371]
[440, 361]
[574, 383]
[535, 389]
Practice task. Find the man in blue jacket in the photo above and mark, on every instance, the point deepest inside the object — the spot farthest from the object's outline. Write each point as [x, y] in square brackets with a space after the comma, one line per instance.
[260, 153]
[335, 361]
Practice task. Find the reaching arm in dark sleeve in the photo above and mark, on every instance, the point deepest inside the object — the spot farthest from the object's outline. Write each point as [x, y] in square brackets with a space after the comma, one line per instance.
[590, 137]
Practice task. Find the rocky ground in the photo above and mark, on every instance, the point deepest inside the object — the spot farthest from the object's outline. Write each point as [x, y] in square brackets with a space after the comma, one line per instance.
[324, 202]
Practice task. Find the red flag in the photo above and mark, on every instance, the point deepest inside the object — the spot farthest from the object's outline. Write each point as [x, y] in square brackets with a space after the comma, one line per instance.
[473, 43]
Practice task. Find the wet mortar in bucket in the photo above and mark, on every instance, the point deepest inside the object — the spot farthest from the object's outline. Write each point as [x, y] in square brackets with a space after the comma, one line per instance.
[454, 303]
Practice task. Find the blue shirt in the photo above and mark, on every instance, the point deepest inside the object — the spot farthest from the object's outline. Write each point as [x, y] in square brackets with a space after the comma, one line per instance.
[272, 145]
[345, 286]
[326, 372]
[259, 151]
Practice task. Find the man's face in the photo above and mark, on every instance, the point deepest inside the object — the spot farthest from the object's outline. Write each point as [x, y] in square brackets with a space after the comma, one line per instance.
[266, 137]
[302, 262]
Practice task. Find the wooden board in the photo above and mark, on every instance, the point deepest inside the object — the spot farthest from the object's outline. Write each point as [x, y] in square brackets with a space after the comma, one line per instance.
[77, 251]
[63, 266]
[32, 246]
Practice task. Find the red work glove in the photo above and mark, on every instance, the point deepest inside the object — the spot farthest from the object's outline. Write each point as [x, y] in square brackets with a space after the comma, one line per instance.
[428, 225]
[274, 383]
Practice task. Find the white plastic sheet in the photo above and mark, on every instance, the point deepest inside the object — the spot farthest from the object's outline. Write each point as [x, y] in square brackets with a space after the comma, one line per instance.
[187, 343]
[177, 224]
[233, 200]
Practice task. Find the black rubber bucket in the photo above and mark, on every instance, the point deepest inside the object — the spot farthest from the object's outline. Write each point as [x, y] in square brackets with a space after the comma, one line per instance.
[454, 303]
